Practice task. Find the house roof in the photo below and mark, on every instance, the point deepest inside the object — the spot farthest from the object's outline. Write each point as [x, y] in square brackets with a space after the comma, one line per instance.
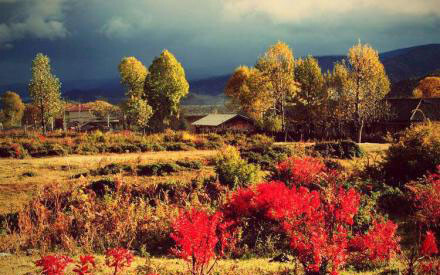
[216, 119]
[404, 109]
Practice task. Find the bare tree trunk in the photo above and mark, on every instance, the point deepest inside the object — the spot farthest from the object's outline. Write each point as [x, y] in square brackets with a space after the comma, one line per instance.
[360, 129]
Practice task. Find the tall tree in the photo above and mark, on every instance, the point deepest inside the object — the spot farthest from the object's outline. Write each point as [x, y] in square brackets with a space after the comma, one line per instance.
[277, 66]
[12, 109]
[311, 94]
[368, 85]
[338, 103]
[44, 89]
[249, 92]
[165, 86]
[133, 74]
[139, 112]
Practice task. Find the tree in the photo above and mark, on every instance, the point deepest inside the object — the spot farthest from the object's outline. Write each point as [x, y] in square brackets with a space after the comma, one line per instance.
[31, 115]
[248, 90]
[277, 66]
[428, 87]
[44, 89]
[12, 109]
[165, 86]
[139, 112]
[337, 86]
[368, 85]
[133, 74]
[311, 95]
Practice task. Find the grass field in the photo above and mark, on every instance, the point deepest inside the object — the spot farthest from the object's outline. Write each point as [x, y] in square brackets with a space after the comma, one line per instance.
[21, 178]
[24, 265]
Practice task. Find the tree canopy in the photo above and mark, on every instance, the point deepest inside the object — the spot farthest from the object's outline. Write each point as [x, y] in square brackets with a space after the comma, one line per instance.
[12, 109]
[44, 89]
[164, 88]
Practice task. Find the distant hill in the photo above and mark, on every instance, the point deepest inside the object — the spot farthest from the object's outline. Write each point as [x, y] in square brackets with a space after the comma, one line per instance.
[403, 66]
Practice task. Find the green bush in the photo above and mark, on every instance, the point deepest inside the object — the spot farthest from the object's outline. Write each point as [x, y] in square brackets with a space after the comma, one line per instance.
[415, 153]
[158, 169]
[266, 156]
[344, 149]
[193, 165]
[234, 171]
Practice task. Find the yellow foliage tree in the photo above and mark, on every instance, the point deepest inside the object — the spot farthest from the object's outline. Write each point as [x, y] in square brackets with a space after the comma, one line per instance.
[366, 87]
[428, 87]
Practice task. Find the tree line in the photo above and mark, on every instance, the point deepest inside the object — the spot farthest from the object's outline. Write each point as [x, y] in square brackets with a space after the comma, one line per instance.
[282, 93]
[152, 101]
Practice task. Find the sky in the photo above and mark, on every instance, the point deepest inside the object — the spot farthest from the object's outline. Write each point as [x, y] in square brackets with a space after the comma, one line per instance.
[86, 39]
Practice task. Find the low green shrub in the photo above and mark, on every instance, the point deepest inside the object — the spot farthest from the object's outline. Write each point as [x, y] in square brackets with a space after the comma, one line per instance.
[344, 149]
[266, 156]
[190, 164]
[234, 171]
[416, 153]
[158, 169]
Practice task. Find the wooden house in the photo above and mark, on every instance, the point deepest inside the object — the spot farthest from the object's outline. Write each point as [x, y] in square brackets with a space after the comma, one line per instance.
[224, 123]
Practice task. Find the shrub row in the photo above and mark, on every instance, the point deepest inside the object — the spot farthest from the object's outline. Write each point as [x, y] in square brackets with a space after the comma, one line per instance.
[154, 169]
[344, 149]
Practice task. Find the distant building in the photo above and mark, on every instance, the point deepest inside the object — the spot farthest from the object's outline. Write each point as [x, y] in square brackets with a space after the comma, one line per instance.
[409, 111]
[82, 118]
[224, 122]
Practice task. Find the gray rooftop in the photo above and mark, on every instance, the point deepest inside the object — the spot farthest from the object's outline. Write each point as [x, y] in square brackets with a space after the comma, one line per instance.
[214, 119]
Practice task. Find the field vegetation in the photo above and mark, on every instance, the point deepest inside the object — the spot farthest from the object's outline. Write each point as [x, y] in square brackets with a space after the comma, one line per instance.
[252, 205]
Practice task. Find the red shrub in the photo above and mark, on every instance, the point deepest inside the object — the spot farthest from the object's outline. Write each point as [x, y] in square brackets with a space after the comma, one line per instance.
[379, 244]
[85, 262]
[118, 259]
[53, 264]
[426, 199]
[318, 222]
[300, 171]
[196, 236]
[429, 245]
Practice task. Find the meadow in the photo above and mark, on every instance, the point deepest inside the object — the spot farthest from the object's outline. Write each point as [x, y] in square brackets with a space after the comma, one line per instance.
[86, 199]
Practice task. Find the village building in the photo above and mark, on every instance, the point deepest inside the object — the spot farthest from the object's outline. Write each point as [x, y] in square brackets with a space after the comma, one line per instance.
[408, 111]
[224, 123]
[82, 118]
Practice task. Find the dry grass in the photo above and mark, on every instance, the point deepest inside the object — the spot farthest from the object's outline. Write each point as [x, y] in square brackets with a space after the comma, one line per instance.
[16, 189]
[20, 265]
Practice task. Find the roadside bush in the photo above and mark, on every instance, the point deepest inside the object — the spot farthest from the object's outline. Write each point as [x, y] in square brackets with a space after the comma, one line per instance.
[234, 171]
[416, 153]
[344, 149]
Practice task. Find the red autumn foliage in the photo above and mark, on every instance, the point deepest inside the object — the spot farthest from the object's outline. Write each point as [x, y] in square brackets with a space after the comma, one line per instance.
[379, 244]
[429, 245]
[426, 199]
[318, 223]
[118, 259]
[301, 171]
[197, 234]
[53, 264]
[83, 267]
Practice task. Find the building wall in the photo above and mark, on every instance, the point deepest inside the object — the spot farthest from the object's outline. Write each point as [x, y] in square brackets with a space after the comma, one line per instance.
[80, 117]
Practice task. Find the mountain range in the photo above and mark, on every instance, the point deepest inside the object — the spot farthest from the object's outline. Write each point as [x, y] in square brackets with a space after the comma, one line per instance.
[401, 65]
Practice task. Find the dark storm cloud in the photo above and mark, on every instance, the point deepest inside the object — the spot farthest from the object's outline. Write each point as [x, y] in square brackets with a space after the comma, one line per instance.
[86, 38]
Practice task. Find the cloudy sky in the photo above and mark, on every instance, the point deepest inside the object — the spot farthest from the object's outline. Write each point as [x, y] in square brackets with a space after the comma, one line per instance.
[85, 39]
